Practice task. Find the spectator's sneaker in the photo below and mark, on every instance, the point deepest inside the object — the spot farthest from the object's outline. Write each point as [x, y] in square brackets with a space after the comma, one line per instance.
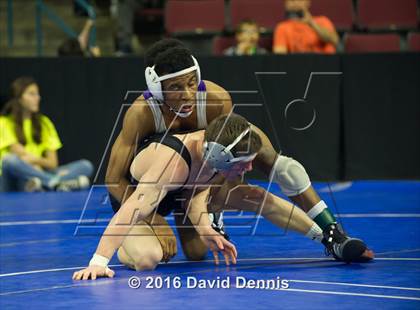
[344, 248]
[82, 182]
[33, 185]
[216, 220]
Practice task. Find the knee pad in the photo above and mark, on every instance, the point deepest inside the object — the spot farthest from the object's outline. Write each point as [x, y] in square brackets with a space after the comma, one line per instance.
[290, 175]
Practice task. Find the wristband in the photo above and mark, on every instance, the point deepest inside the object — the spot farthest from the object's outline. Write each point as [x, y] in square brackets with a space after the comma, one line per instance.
[99, 260]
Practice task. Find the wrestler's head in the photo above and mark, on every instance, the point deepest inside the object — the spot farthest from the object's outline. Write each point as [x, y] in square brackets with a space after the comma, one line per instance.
[170, 56]
[231, 145]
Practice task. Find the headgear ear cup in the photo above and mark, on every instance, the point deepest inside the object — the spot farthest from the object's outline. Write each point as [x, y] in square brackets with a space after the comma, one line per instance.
[220, 157]
[198, 72]
[154, 83]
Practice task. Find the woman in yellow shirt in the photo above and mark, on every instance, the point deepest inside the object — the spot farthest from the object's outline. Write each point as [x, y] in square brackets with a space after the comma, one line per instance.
[29, 144]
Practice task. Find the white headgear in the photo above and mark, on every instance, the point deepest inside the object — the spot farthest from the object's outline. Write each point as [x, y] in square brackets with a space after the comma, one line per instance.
[153, 80]
[220, 157]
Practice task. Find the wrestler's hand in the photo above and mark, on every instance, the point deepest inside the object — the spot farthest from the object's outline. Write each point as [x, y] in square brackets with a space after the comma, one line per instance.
[216, 243]
[93, 272]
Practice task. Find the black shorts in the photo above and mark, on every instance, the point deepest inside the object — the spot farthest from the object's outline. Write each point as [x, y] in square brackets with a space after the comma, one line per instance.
[173, 199]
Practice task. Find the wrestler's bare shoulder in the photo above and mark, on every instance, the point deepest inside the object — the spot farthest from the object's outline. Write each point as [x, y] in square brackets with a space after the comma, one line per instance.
[139, 106]
[139, 117]
[216, 91]
[218, 100]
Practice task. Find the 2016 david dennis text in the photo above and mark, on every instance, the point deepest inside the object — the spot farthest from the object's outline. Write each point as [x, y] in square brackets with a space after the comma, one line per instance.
[193, 282]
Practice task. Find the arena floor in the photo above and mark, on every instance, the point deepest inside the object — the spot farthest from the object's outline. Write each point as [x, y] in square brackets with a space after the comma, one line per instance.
[43, 242]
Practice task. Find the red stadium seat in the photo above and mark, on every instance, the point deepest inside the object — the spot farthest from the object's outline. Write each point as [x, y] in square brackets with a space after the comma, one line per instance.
[414, 41]
[267, 13]
[339, 12]
[198, 16]
[221, 43]
[359, 43]
[387, 14]
[266, 42]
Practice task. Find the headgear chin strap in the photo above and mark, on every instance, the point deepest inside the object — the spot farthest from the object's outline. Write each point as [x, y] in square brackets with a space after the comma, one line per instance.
[180, 114]
[154, 81]
[220, 157]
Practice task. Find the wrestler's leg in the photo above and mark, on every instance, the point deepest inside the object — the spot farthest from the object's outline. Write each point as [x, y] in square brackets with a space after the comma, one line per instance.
[148, 243]
[275, 209]
[285, 215]
[295, 183]
[141, 249]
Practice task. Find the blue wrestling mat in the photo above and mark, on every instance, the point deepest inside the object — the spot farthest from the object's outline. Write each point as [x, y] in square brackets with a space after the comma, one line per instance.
[43, 242]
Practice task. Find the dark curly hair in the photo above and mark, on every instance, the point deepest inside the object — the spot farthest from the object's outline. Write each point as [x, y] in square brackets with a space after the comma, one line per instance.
[168, 56]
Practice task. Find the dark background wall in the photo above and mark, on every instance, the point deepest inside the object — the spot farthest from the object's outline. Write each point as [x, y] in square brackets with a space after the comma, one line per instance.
[365, 108]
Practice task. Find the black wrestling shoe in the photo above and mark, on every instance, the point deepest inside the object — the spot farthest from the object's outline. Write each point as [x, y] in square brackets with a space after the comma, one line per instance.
[216, 220]
[344, 248]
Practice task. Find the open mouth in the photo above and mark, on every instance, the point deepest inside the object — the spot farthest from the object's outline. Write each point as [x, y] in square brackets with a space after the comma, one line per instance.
[187, 108]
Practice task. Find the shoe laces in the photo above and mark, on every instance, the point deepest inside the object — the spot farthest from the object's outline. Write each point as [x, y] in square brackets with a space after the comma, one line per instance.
[333, 238]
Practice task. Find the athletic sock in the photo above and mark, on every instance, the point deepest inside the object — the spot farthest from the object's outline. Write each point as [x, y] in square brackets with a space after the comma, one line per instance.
[315, 233]
[321, 215]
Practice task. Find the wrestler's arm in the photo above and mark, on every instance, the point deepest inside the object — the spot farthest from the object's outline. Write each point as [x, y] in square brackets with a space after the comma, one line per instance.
[136, 208]
[198, 214]
[140, 204]
[136, 126]
[267, 155]
[198, 207]
[152, 188]
[219, 101]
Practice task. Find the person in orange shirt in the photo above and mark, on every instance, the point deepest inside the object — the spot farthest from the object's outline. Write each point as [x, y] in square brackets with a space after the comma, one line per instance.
[303, 33]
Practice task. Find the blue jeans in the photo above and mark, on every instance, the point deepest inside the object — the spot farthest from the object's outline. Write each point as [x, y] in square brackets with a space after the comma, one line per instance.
[16, 172]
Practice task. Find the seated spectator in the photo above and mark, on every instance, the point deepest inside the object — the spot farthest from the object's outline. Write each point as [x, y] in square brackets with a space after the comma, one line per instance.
[29, 144]
[247, 36]
[80, 46]
[303, 33]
